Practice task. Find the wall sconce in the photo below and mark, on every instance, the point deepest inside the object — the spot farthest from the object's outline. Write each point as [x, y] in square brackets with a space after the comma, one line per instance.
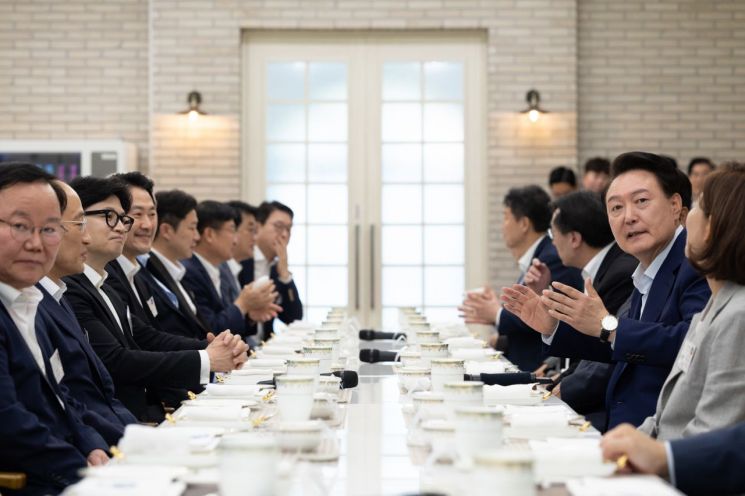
[193, 112]
[534, 109]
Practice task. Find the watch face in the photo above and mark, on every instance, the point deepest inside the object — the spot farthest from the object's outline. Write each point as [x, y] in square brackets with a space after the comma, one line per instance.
[609, 322]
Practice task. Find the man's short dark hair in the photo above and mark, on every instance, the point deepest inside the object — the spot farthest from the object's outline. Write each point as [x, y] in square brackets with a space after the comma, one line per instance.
[13, 173]
[562, 174]
[138, 180]
[700, 160]
[685, 189]
[600, 165]
[213, 214]
[266, 208]
[92, 190]
[583, 212]
[664, 169]
[531, 202]
[242, 208]
[173, 206]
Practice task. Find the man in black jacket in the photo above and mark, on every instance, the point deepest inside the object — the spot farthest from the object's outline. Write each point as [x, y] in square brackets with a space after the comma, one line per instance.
[139, 358]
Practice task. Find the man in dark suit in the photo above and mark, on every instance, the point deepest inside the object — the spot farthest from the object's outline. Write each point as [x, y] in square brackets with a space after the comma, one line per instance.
[269, 259]
[86, 376]
[139, 358]
[583, 239]
[526, 220]
[40, 433]
[708, 463]
[175, 238]
[644, 203]
[212, 288]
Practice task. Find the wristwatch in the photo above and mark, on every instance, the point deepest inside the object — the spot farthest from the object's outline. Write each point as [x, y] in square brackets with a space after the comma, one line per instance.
[609, 324]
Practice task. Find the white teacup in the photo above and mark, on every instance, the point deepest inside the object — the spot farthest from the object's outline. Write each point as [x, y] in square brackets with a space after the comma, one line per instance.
[462, 393]
[238, 451]
[324, 406]
[295, 396]
[429, 405]
[477, 428]
[427, 336]
[412, 379]
[300, 436]
[432, 350]
[333, 342]
[440, 434]
[509, 470]
[446, 370]
[329, 384]
[303, 366]
[323, 353]
[410, 357]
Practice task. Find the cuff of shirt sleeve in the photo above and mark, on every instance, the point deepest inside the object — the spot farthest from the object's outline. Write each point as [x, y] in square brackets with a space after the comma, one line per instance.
[547, 340]
[204, 367]
[670, 463]
[286, 281]
[496, 317]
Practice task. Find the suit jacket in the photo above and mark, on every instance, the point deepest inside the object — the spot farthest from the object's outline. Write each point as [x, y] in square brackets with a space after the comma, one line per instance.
[140, 357]
[173, 313]
[38, 435]
[137, 303]
[289, 298]
[86, 376]
[216, 313]
[711, 463]
[706, 388]
[524, 346]
[584, 389]
[646, 344]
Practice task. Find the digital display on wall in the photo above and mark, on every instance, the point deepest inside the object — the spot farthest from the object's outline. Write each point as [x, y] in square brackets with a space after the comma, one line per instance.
[66, 166]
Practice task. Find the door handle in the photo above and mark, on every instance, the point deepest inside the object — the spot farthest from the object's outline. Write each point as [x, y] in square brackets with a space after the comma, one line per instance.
[372, 266]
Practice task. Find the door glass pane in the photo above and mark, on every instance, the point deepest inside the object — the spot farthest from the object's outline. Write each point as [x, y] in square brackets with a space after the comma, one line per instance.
[327, 122]
[402, 204]
[327, 163]
[327, 286]
[402, 245]
[292, 195]
[328, 81]
[443, 81]
[285, 80]
[401, 81]
[327, 204]
[443, 285]
[402, 122]
[285, 122]
[402, 163]
[443, 204]
[402, 286]
[327, 245]
[443, 122]
[285, 163]
[443, 163]
[443, 245]
[296, 249]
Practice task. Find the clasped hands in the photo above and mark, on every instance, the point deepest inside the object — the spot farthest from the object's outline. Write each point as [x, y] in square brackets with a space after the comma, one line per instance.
[258, 302]
[226, 351]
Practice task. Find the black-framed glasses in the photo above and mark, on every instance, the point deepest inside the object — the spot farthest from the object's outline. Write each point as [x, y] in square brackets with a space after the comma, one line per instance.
[281, 227]
[80, 224]
[22, 231]
[113, 218]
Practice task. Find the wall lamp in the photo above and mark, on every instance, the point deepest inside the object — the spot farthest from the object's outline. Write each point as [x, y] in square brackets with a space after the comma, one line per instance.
[193, 112]
[534, 109]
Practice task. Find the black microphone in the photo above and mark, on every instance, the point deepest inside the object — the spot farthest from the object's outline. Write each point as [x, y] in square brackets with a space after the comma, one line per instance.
[349, 379]
[372, 335]
[508, 378]
[375, 356]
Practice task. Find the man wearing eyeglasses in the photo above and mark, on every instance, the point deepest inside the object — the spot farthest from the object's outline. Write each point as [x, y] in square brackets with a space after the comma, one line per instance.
[270, 260]
[40, 433]
[140, 359]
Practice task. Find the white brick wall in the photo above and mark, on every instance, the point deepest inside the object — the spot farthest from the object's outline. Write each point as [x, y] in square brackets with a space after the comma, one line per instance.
[661, 75]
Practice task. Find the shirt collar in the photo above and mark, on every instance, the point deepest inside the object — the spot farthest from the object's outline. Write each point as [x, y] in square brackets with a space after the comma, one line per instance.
[175, 269]
[56, 290]
[235, 267]
[644, 277]
[11, 296]
[94, 277]
[212, 271]
[130, 269]
[527, 258]
[259, 257]
[591, 268]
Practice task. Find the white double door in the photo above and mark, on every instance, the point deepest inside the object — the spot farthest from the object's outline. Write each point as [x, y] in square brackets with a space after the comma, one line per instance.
[376, 143]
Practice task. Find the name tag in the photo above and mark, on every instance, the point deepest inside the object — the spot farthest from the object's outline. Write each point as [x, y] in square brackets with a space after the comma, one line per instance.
[57, 369]
[685, 356]
[152, 307]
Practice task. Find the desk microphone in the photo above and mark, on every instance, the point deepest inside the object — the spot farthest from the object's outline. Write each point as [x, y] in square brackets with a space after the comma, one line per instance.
[372, 335]
[375, 356]
[349, 379]
[508, 378]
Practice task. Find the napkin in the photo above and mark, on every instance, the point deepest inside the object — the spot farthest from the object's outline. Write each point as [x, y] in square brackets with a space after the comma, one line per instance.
[145, 440]
[548, 420]
[559, 459]
[130, 486]
[266, 363]
[621, 486]
[232, 390]
[475, 354]
[517, 394]
[490, 367]
[243, 379]
[207, 413]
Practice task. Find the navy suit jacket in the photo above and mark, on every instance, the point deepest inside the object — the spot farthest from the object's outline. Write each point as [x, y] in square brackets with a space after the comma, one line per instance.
[711, 463]
[646, 345]
[289, 299]
[86, 377]
[210, 306]
[140, 357]
[584, 389]
[176, 318]
[524, 346]
[37, 435]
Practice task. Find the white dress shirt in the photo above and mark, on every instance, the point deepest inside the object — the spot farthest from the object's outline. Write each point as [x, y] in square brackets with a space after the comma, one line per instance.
[263, 267]
[130, 271]
[644, 277]
[524, 264]
[235, 269]
[56, 290]
[22, 306]
[176, 271]
[591, 268]
[97, 280]
[212, 271]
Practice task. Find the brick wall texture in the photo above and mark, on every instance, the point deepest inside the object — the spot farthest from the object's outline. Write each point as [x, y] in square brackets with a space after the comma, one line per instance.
[660, 75]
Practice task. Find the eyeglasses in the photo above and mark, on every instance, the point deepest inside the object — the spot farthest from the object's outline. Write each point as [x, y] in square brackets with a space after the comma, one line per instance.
[281, 226]
[80, 224]
[22, 231]
[113, 218]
